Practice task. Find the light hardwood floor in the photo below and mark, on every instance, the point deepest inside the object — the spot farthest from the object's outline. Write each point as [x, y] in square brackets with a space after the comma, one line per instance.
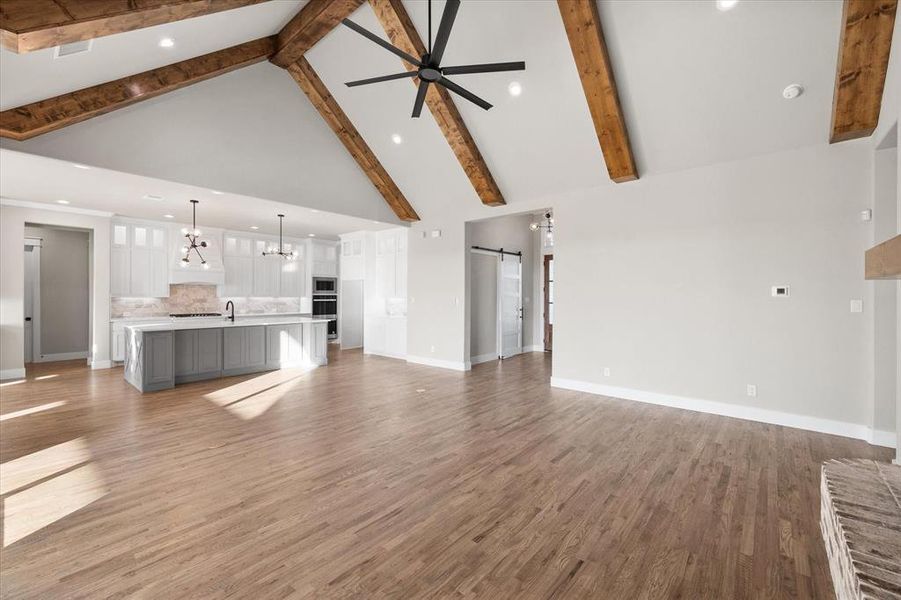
[371, 478]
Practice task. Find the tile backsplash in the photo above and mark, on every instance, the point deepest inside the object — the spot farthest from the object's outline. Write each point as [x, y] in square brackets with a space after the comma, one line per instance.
[194, 298]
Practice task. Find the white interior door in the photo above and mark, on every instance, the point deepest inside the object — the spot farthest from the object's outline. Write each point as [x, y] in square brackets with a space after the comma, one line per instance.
[509, 306]
[31, 299]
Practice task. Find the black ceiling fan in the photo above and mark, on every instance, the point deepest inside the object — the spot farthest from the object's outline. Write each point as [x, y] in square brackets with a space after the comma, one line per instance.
[429, 69]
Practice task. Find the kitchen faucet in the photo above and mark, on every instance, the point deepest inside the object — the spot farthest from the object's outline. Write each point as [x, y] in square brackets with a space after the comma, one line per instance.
[232, 305]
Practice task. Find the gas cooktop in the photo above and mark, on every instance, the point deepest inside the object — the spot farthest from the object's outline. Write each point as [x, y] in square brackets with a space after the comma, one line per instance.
[185, 315]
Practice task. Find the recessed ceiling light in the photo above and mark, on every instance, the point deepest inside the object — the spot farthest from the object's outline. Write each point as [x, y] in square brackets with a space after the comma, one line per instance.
[62, 201]
[725, 5]
[311, 235]
[254, 227]
[79, 166]
[314, 210]
[792, 91]
[168, 216]
[395, 137]
[515, 88]
[217, 192]
[167, 42]
[152, 197]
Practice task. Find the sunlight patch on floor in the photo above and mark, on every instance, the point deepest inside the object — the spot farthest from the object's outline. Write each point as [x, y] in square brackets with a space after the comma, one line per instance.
[17, 382]
[32, 410]
[37, 507]
[25, 470]
[251, 398]
[43, 377]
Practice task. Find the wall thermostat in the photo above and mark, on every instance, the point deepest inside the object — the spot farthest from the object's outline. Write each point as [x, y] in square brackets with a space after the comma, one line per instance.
[779, 291]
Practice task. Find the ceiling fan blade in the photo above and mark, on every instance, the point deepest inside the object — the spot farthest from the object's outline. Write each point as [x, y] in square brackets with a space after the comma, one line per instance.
[380, 79]
[373, 37]
[420, 98]
[444, 29]
[485, 68]
[463, 92]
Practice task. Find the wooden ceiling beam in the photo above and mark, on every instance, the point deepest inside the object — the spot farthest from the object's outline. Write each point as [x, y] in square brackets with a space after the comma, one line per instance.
[863, 53]
[311, 24]
[41, 117]
[28, 25]
[586, 40]
[884, 260]
[328, 107]
[399, 27]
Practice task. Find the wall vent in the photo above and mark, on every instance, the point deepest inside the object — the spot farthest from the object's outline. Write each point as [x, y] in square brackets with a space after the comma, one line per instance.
[73, 48]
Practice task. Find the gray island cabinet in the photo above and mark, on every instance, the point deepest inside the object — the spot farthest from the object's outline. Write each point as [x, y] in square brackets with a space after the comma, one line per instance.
[162, 355]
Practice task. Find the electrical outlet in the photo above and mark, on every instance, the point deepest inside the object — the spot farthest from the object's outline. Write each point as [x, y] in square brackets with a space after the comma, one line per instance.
[857, 306]
[752, 390]
[866, 215]
[606, 371]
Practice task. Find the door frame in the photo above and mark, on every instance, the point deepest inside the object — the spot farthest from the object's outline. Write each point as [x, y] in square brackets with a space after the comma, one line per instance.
[548, 327]
[35, 243]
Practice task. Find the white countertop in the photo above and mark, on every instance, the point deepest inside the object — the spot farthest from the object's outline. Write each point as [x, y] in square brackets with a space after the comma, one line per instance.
[260, 320]
[167, 318]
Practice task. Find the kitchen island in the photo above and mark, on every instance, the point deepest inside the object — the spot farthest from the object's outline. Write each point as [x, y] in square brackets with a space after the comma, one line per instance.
[162, 355]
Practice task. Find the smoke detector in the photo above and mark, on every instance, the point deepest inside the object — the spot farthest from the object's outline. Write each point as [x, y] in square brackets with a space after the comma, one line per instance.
[793, 91]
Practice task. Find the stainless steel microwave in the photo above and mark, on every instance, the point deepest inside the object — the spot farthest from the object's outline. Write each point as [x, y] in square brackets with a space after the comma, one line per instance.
[328, 285]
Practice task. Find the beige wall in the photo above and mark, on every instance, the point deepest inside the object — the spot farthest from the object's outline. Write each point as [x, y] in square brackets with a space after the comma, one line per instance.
[65, 289]
[12, 280]
[666, 281]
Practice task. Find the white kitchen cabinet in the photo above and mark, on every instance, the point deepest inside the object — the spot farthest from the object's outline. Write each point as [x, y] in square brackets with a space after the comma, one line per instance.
[324, 258]
[292, 276]
[249, 273]
[138, 260]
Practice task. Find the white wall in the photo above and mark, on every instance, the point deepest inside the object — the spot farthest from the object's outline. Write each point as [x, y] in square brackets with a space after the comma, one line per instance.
[12, 281]
[666, 281]
[65, 290]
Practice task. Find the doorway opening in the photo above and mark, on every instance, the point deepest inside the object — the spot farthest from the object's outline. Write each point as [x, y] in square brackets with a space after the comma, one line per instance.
[505, 292]
[57, 296]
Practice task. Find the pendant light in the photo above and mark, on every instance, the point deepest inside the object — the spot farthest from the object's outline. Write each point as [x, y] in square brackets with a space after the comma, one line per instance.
[548, 226]
[192, 236]
[280, 251]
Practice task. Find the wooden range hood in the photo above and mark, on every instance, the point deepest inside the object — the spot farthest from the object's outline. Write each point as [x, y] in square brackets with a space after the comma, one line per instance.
[884, 260]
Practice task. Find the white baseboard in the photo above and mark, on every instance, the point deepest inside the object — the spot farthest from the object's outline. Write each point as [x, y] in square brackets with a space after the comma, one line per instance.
[535, 348]
[61, 356]
[887, 439]
[12, 373]
[386, 354]
[748, 413]
[102, 364]
[441, 364]
[481, 358]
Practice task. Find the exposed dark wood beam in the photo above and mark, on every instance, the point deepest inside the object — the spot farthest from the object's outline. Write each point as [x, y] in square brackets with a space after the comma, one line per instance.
[884, 261]
[34, 119]
[399, 27]
[28, 25]
[863, 53]
[586, 39]
[328, 107]
[310, 25]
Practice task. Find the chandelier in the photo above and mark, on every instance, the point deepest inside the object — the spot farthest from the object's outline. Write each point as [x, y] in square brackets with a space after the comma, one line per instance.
[548, 226]
[193, 235]
[273, 251]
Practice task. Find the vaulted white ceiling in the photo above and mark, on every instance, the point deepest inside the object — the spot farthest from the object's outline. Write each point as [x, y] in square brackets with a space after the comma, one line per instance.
[698, 86]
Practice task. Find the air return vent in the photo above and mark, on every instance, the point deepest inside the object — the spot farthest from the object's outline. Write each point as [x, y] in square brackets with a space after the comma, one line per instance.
[73, 48]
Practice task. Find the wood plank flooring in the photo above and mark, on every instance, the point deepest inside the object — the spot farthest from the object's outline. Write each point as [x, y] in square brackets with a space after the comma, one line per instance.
[371, 478]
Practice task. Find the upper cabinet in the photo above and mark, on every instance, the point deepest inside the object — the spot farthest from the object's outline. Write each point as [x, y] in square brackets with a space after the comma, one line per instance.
[391, 263]
[324, 256]
[249, 273]
[352, 257]
[139, 259]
